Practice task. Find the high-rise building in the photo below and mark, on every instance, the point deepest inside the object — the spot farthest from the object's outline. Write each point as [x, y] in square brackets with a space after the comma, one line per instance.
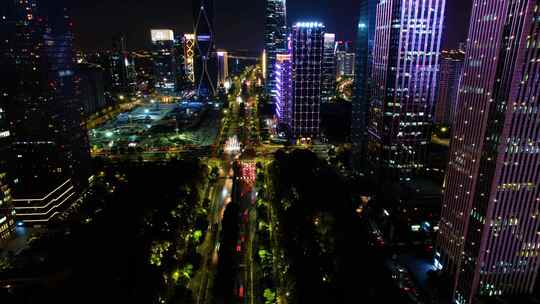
[165, 62]
[329, 68]
[182, 81]
[345, 64]
[143, 61]
[345, 58]
[275, 38]
[205, 50]
[283, 72]
[122, 75]
[307, 49]
[7, 212]
[92, 94]
[451, 66]
[48, 157]
[365, 38]
[489, 233]
[189, 57]
[223, 67]
[405, 64]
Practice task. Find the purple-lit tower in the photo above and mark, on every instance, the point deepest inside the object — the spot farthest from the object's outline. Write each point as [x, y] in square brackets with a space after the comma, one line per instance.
[490, 223]
[307, 50]
[404, 75]
[283, 90]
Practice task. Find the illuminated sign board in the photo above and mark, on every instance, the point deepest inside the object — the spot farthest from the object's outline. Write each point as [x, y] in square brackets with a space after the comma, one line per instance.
[162, 35]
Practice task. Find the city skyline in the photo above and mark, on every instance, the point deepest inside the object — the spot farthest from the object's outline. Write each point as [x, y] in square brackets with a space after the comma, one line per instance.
[215, 152]
[237, 18]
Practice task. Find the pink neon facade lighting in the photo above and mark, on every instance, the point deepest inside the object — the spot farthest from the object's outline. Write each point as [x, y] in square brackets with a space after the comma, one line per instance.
[490, 225]
[405, 67]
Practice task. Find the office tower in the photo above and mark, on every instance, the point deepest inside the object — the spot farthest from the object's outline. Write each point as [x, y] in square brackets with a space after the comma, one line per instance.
[283, 73]
[329, 68]
[48, 157]
[405, 62]
[205, 55]
[450, 68]
[345, 64]
[275, 38]
[165, 64]
[307, 48]
[178, 53]
[144, 64]
[122, 77]
[189, 57]
[7, 212]
[489, 235]
[223, 67]
[365, 36]
[92, 92]
[344, 59]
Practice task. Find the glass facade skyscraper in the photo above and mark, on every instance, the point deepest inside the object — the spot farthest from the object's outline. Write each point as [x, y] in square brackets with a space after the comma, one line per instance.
[307, 50]
[48, 155]
[405, 63]
[365, 35]
[165, 61]
[205, 51]
[7, 212]
[344, 64]
[122, 77]
[275, 39]
[451, 67]
[489, 235]
[329, 67]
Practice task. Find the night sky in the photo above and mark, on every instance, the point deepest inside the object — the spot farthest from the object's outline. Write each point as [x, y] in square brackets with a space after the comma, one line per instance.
[239, 23]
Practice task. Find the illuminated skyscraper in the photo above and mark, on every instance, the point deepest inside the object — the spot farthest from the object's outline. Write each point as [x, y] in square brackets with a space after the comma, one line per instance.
[451, 66]
[7, 212]
[344, 59]
[165, 61]
[205, 50]
[122, 75]
[489, 235]
[345, 64]
[223, 67]
[307, 49]
[405, 63]
[48, 157]
[365, 38]
[283, 97]
[329, 68]
[275, 38]
[189, 56]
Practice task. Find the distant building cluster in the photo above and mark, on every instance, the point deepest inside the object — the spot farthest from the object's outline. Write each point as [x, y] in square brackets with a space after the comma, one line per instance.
[405, 89]
[49, 91]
